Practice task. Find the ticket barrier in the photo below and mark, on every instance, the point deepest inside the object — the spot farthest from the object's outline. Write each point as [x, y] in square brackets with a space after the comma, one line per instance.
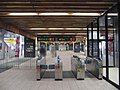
[58, 70]
[94, 66]
[78, 67]
[41, 67]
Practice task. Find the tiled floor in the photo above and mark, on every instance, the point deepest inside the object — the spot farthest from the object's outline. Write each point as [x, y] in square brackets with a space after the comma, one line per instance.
[24, 78]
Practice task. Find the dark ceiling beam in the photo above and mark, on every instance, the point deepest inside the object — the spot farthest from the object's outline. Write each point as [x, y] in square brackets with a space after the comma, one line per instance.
[51, 20]
[49, 17]
[58, 31]
[59, 0]
[58, 3]
[85, 35]
[69, 6]
[55, 4]
[54, 7]
[53, 10]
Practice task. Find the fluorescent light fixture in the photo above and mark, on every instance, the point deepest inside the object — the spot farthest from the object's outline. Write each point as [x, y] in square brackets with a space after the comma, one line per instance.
[22, 14]
[58, 28]
[55, 28]
[38, 28]
[94, 29]
[84, 28]
[109, 18]
[70, 14]
[85, 14]
[53, 14]
[73, 28]
[112, 14]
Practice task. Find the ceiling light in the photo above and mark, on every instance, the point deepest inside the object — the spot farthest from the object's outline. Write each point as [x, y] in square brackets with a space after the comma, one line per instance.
[109, 18]
[55, 28]
[85, 14]
[53, 14]
[84, 28]
[22, 14]
[73, 28]
[38, 28]
[76, 28]
[112, 14]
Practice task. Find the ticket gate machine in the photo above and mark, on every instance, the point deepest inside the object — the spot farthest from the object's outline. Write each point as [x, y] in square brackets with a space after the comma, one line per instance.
[58, 70]
[41, 67]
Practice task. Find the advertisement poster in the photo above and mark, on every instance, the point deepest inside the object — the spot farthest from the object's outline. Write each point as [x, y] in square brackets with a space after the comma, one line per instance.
[29, 49]
[17, 46]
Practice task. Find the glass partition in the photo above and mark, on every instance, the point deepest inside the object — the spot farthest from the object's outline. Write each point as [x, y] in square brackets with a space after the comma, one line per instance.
[102, 42]
[95, 39]
[90, 40]
[113, 48]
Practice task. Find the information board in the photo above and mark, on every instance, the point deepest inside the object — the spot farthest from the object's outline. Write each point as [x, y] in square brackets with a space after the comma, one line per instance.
[29, 50]
[56, 38]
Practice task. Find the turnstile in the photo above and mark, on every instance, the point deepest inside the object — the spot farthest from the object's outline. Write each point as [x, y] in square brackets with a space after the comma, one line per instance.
[41, 67]
[58, 70]
[94, 66]
[78, 67]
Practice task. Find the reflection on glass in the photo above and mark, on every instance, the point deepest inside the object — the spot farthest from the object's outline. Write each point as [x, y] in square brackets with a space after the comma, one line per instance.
[95, 48]
[102, 43]
[95, 41]
[90, 42]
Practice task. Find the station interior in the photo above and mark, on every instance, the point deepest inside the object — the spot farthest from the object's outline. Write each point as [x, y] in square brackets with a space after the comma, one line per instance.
[59, 44]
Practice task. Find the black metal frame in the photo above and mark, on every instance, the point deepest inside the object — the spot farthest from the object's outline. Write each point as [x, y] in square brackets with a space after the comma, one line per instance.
[119, 37]
[98, 36]
[87, 41]
[106, 40]
[92, 37]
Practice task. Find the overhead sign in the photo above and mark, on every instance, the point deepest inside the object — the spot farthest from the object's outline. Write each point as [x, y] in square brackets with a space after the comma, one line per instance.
[56, 38]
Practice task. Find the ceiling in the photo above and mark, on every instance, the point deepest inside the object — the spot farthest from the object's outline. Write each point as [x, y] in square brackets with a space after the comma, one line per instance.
[52, 6]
